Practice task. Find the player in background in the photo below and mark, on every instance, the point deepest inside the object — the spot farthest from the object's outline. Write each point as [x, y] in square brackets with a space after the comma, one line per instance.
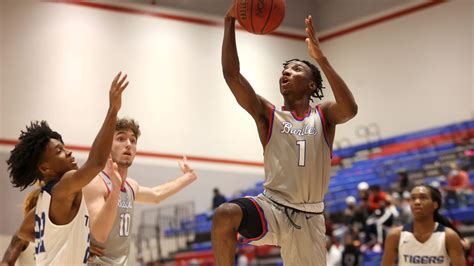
[430, 240]
[111, 210]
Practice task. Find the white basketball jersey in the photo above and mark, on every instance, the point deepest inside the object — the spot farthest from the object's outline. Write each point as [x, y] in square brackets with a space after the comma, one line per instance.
[297, 160]
[60, 244]
[432, 252]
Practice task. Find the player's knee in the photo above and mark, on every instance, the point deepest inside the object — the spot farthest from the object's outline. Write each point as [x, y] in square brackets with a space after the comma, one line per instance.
[227, 215]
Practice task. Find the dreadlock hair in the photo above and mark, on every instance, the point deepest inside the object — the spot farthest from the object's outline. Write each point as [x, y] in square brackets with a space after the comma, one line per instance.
[316, 76]
[28, 154]
[437, 217]
[126, 123]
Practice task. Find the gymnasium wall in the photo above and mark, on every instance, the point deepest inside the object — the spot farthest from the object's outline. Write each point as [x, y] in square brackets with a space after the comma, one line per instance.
[57, 62]
[1, 68]
[410, 73]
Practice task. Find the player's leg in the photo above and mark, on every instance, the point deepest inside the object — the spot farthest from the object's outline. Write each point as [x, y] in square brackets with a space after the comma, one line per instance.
[252, 217]
[307, 245]
[225, 223]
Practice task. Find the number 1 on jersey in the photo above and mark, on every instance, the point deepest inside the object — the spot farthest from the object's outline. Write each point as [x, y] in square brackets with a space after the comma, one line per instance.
[302, 152]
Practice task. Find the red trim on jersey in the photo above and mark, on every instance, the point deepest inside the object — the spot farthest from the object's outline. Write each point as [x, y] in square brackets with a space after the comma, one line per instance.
[105, 183]
[323, 121]
[133, 191]
[295, 115]
[123, 189]
[270, 125]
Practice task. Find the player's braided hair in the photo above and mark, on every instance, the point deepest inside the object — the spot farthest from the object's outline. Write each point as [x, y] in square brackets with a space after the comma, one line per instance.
[28, 154]
[316, 74]
[437, 217]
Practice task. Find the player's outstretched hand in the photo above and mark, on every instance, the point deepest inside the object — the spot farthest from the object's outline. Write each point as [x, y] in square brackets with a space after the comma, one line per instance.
[111, 169]
[186, 168]
[312, 40]
[95, 251]
[116, 89]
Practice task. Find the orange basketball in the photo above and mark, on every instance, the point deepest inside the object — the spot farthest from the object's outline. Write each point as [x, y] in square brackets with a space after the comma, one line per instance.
[260, 16]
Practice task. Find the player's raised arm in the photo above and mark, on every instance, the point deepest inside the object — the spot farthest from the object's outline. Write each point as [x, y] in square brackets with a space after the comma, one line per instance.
[74, 181]
[345, 107]
[255, 105]
[161, 192]
[102, 205]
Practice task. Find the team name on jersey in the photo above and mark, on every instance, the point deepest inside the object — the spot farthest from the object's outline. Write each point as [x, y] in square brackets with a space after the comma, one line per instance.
[424, 259]
[125, 204]
[305, 130]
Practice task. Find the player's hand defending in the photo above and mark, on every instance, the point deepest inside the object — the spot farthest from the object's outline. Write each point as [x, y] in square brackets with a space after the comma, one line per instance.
[312, 40]
[95, 251]
[186, 168]
[116, 89]
[111, 169]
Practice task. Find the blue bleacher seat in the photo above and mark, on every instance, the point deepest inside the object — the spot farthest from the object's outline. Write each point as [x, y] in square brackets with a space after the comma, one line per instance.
[202, 217]
[372, 258]
[461, 214]
[201, 246]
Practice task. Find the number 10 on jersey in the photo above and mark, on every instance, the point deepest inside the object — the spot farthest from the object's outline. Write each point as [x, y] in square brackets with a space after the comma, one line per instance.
[124, 226]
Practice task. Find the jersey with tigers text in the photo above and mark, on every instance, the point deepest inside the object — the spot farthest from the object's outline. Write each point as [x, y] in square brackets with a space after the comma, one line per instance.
[431, 252]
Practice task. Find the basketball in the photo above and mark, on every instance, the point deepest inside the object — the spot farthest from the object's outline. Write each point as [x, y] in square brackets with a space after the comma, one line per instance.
[260, 16]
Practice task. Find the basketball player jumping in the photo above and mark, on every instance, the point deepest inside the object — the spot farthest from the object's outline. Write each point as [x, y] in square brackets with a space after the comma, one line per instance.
[111, 210]
[59, 225]
[297, 143]
[430, 240]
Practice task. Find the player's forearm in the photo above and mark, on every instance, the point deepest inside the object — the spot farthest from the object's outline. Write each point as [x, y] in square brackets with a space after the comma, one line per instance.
[386, 262]
[103, 223]
[346, 103]
[458, 261]
[74, 181]
[166, 190]
[102, 144]
[230, 58]
[98, 155]
[14, 250]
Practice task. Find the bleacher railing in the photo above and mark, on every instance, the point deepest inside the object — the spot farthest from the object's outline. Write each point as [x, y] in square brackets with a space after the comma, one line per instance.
[161, 234]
